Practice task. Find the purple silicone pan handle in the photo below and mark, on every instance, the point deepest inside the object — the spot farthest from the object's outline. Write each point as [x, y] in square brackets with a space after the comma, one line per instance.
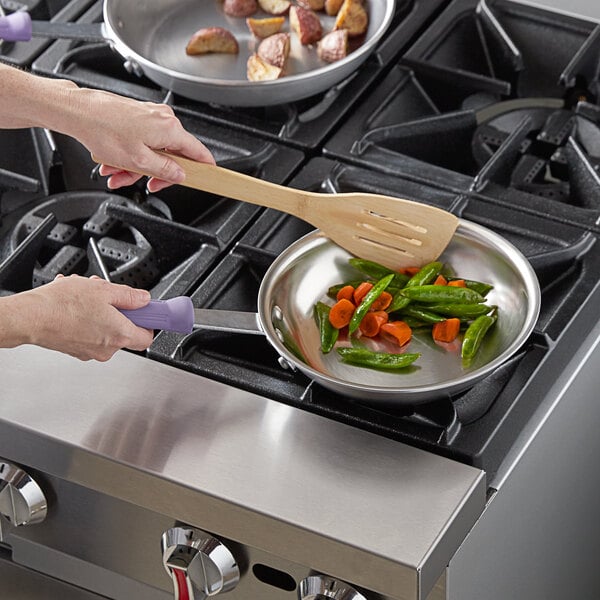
[16, 27]
[176, 314]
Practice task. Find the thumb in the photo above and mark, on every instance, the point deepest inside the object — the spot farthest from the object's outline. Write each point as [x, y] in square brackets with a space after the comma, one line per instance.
[123, 296]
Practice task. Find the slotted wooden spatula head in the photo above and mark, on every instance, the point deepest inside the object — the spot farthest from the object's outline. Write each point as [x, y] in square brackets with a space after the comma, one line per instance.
[391, 231]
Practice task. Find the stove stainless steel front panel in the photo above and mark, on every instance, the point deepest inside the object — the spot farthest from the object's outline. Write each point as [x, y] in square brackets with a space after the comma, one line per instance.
[325, 496]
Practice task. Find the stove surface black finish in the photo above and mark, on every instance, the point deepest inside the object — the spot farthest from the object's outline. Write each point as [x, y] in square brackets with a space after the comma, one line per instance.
[304, 124]
[494, 100]
[58, 217]
[475, 426]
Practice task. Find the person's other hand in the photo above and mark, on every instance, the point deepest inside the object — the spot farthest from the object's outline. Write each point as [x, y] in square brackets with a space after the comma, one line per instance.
[79, 316]
[125, 132]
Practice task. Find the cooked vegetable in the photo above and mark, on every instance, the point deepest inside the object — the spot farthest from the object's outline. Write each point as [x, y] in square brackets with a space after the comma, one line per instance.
[258, 69]
[440, 280]
[263, 28]
[446, 331]
[362, 289]
[212, 40]
[457, 283]
[422, 276]
[441, 294]
[275, 7]
[327, 332]
[306, 24]
[341, 313]
[367, 301]
[372, 322]
[397, 331]
[475, 334]
[275, 49]
[478, 286]
[333, 46]
[377, 271]
[345, 293]
[422, 314]
[377, 360]
[240, 8]
[353, 17]
[381, 303]
[334, 289]
[462, 311]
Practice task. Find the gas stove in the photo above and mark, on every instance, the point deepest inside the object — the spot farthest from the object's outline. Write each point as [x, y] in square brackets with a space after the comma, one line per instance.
[489, 110]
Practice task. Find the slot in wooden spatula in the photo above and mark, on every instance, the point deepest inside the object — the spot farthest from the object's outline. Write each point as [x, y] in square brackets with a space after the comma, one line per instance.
[391, 231]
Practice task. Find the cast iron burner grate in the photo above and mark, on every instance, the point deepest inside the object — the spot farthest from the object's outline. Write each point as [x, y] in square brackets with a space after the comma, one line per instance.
[474, 426]
[509, 122]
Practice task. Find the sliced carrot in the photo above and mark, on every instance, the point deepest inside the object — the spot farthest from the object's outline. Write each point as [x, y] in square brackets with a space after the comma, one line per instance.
[409, 270]
[397, 331]
[372, 322]
[346, 293]
[457, 283]
[382, 301]
[361, 291]
[440, 280]
[341, 313]
[446, 331]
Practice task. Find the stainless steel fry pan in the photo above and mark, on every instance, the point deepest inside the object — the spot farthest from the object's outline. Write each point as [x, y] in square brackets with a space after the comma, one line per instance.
[300, 277]
[151, 36]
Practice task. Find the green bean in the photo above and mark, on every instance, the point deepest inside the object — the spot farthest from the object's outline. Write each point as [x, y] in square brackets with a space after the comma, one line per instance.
[327, 332]
[461, 311]
[363, 308]
[377, 271]
[475, 334]
[442, 294]
[377, 360]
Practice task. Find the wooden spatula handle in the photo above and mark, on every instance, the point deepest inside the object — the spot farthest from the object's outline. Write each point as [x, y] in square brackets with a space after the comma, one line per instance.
[224, 182]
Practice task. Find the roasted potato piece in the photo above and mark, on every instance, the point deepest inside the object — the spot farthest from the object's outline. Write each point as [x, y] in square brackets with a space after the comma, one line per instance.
[275, 7]
[332, 7]
[275, 49]
[311, 4]
[240, 8]
[259, 70]
[333, 46]
[353, 17]
[212, 39]
[306, 24]
[263, 28]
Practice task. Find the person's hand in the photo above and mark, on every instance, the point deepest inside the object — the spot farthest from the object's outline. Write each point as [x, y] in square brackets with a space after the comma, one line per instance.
[78, 316]
[125, 132]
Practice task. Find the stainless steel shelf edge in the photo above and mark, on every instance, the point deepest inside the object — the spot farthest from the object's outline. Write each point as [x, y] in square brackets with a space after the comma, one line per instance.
[240, 466]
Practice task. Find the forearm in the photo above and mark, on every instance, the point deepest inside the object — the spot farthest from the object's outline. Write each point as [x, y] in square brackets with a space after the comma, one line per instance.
[16, 320]
[28, 100]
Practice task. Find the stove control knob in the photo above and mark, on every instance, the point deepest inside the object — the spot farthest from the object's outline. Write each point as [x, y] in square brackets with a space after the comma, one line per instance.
[321, 587]
[22, 501]
[199, 564]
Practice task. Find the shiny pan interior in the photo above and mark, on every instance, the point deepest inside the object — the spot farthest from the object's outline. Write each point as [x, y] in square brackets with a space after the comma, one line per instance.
[302, 275]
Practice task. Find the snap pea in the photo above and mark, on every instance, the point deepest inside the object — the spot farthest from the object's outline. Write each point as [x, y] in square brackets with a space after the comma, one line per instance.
[442, 294]
[421, 314]
[424, 276]
[363, 308]
[377, 271]
[327, 332]
[461, 311]
[475, 334]
[478, 286]
[377, 360]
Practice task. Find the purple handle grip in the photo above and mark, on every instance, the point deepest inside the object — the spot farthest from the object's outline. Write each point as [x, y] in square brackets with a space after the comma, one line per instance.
[176, 314]
[15, 27]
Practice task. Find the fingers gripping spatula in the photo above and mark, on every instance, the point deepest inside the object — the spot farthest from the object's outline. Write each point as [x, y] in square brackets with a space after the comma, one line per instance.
[391, 231]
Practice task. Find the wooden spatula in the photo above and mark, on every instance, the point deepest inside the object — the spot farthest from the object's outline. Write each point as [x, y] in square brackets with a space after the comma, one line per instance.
[391, 231]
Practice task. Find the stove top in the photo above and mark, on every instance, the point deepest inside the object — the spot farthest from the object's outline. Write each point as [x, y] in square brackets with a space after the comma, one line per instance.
[508, 137]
